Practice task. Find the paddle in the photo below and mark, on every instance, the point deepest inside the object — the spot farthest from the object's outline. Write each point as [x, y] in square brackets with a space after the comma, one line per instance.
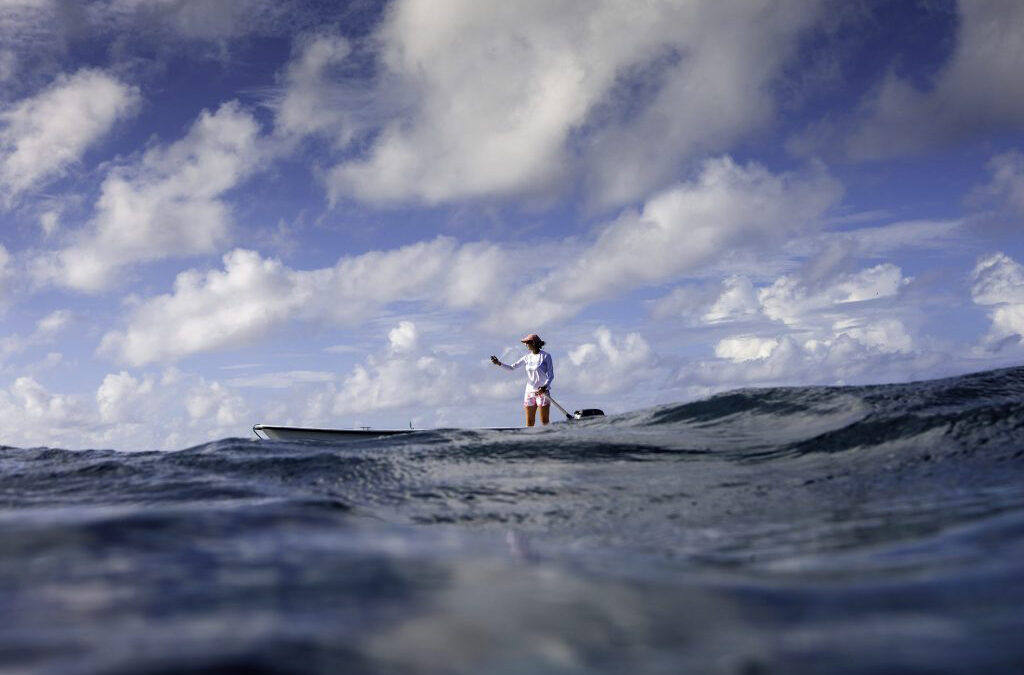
[567, 415]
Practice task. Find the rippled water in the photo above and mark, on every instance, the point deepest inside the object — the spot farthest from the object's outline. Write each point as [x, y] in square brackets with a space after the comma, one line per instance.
[802, 530]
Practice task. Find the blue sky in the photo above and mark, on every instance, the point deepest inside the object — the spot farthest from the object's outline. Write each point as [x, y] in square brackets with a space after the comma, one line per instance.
[215, 214]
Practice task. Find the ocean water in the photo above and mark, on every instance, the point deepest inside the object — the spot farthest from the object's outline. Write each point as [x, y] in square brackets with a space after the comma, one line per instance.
[802, 530]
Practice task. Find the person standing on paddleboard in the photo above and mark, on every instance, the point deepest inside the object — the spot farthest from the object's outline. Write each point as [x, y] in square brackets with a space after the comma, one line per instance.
[540, 371]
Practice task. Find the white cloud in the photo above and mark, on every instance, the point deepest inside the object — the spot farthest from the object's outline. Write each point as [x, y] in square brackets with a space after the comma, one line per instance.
[405, 376]
[168, 204]
[736, 301]
[997, 279]
[309, 104]
[404, 337]
[998, 282]
[41, 136]
[423, 382]
[978, 91]
[54, 322]
[745, 348]
[732, 299]
[211, 404]
[884, 335]
[214, 310]
[121, 398]
[35, 416]
[1006, 187]
[252, 295]
[400, 381]
[728, 208]
[823, 324]
[168, 410]
[49, 222]
[691, 301]
[478, 100]
[841, 359]
[790, 299]
[609, 364]
[845, 306]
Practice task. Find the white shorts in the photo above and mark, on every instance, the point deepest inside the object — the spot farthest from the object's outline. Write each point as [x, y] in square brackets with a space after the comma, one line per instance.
[532, 398]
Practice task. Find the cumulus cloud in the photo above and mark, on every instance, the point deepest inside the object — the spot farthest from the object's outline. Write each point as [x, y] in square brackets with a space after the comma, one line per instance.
[310, 104]
[820, 313]
[785, 360]
[864, 338]
[35, 416]
[884, 334]
[168, 410]
[610, 364]
[525, 99]
[42, 136]
[978, 91]
[824, 323]
[253, 295]
[168, 204]
[399, 381]
[728, 208]
[213, 310]
[732, 299]
[790, 299]
[404, 337]
[1005, 190]
[745, 348]
[211, 404]
[429, 385]
[414, 378]
[122, 398]
[997, 279]
[998, 282]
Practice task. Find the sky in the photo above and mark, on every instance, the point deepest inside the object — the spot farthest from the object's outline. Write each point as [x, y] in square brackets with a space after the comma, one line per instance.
[216, 214]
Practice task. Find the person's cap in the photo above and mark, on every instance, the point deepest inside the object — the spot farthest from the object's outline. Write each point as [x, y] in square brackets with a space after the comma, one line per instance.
[532, 337]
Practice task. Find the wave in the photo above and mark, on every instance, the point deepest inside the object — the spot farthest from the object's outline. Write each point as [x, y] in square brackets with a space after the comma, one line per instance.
[965, 415]
[978, 415]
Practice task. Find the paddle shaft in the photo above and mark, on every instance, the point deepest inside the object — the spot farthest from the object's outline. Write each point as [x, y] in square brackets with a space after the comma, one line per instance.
[567, 415]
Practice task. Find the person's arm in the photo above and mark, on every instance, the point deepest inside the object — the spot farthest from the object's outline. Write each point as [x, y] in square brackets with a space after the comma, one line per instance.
[495, 361]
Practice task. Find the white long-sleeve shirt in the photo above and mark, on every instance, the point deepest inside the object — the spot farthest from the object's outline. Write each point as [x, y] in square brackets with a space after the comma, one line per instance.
[540, 370]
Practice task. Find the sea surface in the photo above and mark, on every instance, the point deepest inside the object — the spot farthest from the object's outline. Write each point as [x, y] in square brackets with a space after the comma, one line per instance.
[875, 529]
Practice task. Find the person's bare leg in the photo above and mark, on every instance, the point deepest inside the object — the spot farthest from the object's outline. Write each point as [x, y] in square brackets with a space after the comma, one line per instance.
[531, 414]
[545, 414]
